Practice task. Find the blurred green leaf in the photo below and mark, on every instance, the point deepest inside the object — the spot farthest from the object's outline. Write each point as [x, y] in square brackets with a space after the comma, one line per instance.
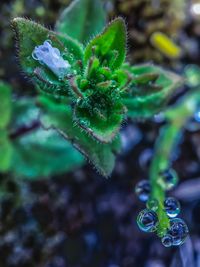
[59, 116]
[150, 91]
[5, 106]
[110, 45]
[39, 153]
[82, 19]
[6, 151]
[43, 153]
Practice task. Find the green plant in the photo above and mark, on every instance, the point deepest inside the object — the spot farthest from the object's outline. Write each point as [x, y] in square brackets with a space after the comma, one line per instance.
[163, 178]
[86, 89]
[89, 86]
[27, 150]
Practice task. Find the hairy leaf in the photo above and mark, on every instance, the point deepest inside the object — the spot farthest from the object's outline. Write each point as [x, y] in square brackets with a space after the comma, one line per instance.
[110, 45]
[150, 90]
[31, 35]
[59, 116]
[82, 19]
[104, 129]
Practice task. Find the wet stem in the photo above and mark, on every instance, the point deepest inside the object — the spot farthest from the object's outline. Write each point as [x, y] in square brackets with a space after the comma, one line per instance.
[167, 142]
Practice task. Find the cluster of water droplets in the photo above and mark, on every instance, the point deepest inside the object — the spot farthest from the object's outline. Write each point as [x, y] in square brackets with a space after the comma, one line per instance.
[148, 220]
[176, 234]
[51, 57]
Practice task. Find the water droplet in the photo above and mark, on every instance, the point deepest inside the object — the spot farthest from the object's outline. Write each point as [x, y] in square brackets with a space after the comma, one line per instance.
[197, 116]
[172, 207]
[167, 241]
[85, 123]
[152, 204]
[147, 220]
[178, 231]
[169, 179]
[88, 92]
[34, 55]
[49, 41]
[142, 190]
[159, 118]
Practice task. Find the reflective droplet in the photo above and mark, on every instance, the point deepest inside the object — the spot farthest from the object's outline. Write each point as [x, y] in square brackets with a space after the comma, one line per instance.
[197, 116]
[34, 55]
[159, 118]
[193, 125]
[167, 241]
[142, 190]
[169, 179]
[152, 204]
[147, 220]
[178, 231]
[172, 207]
[85, 123]
[192, 74]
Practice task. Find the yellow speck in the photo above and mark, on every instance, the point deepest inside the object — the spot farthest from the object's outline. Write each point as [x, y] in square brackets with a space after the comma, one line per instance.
[165, 45]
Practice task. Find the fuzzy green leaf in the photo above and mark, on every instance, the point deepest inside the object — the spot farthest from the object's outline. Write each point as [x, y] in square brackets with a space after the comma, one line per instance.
[82, 19]
[104, 129]
[59, 116]
[110, 45]
[36, 151]
[5, 106]
[29, 36]
[150, 90]
[6, 151]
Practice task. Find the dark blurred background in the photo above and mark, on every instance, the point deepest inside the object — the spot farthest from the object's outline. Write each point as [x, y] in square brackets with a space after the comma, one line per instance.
[82, 219]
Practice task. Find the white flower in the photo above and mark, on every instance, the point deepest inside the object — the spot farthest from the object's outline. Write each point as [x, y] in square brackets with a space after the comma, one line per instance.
[50, 56]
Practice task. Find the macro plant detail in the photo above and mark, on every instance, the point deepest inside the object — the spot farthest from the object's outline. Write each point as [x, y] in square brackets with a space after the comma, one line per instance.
[172, 230]
[85, 91]
[97, 89]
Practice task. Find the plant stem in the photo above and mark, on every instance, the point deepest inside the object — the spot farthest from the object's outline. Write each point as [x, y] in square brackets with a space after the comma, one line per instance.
[25, 130]
[167, 142]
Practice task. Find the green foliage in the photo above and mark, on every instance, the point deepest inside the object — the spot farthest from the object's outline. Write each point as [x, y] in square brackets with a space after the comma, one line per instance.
[82, 19]
[26, 149]
[30, 35]
[5, 107]
[5, 111]
[37, 152]
[109, 46]
[59, 116]
[150, 90]
[94, 86]
[43, 153]
[90, 88]
[99, 110]
[6, 151]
